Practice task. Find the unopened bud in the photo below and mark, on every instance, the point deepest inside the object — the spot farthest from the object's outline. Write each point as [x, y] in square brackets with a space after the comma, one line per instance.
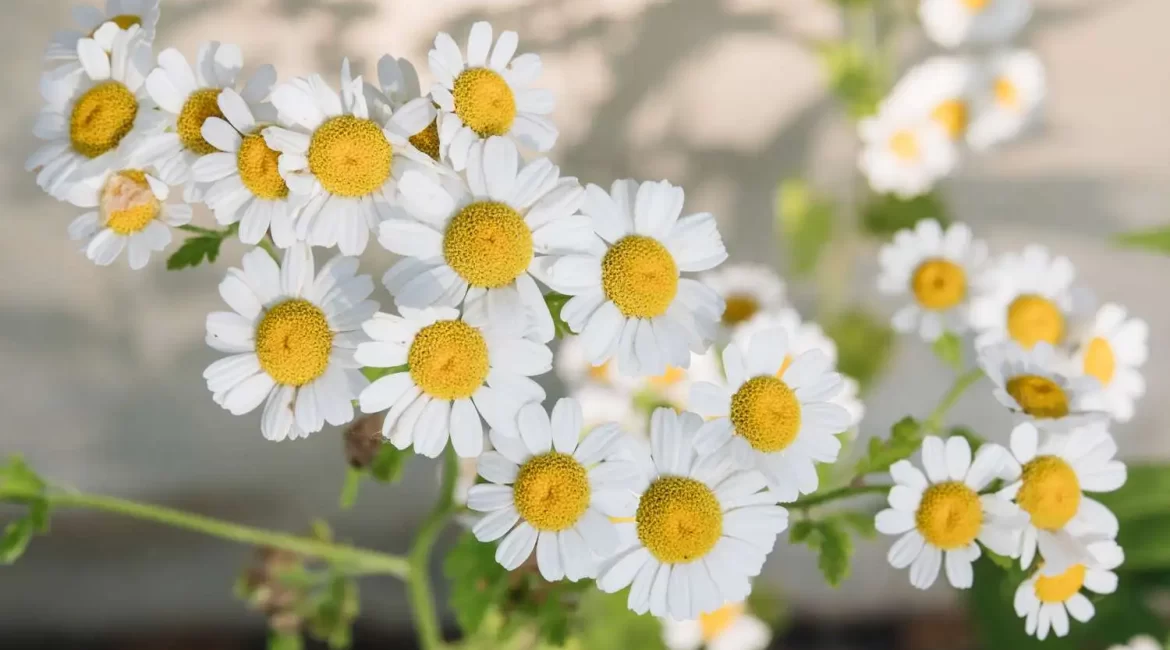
[363, 440]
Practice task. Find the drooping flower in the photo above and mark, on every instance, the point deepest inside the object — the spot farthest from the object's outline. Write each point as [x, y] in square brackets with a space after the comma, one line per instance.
[1046, 601]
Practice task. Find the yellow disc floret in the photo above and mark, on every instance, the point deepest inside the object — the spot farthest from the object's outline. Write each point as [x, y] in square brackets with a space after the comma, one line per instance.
[448, 359]
[951, 115]
[766, 412]
[350, 156]
[1038, 396]
[125, 21]
[740, 308]
[714, 624]
[1058, 589]
[939, 284]
[1050, 493]
[904, 144]
[551, 491]
[678, 519]
[1031, 319]
[484, 101]
[101, 117]
[949, 515]
[976, 5]
[427, 140]
[259, 170]
[1006, 93]
[1100, 362]
[293, 342]
[639, 275]
[127, 203]
[488, 244]
[200, 105]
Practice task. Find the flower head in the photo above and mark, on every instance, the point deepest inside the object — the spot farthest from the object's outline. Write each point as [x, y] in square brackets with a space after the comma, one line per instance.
[1112, 350]
[1011, 94]
[124, 14]
[939, 90]
[952, 23]
[747, 290]
[1046, 601]
[904, 154]
[1032, 383]
[731, 627]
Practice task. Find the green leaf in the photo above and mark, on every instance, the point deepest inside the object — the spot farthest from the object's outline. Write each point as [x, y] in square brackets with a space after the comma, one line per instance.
[864, 345]
[863, 523]
[905, 438]
[374, 374]
[949, 349]
[885, 214]
[1146, 492]
[319, 529]
[477, 581]
[280, 641]
[854, 77]
[801, 531]
[389, 464]
[830, 539]
[17, 479]
[556, 302]
[335, 611]
[38, 515]
[1144, 541]
[805, 221]
[351, 487]
[553, 622]
[1002, 561]
[1156, 240]
[15, 539]
[194, 251]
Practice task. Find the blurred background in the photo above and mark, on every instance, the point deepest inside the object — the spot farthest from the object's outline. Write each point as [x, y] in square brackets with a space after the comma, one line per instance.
[100, 369]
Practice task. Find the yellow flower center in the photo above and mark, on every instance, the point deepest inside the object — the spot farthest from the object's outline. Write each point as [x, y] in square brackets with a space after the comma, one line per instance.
[949, 515]
[740, 308]
[127, 203]
[293, 342]
[448, 359]
[350, 156]
[976, 5]
[672, 376]
[951, 115]
[1050, 493]
[427, 140]
[939, 284]
[713, 625]
[125, 21]
[679, 519]
[1058, 589]
[259, 168]
[484, 101]
[488, 244]
[102, 116]
[766, 412]
[551, 491]
[599, 374]
[200, 105]
[639, 275]
[904, 144]
[1100, 361]
[1006, 93]
[1032, 319]
[1038, 396]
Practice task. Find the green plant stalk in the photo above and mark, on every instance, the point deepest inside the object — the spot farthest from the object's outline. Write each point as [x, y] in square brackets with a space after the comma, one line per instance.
[846, 492]
[422, 601]
[964, 381]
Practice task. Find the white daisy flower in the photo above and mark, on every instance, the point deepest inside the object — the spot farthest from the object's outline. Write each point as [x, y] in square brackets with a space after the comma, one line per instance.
[1142, 642]
[130, 212]
[398, 87]
[1026, 297]
[1113, 350]
[1013, 93]
[292, 338]
[457, 372]
[1046, 602]
[936, 268]
[553, 490]
[903, 154]
[92, 111]
[1049, 480]
[952, 23]
[123, 13]
[773, 417]
[630, 301]
[484, 96]
[730, 627]
[701, 529]
[746, 289]
[1032, 384]
[941, 514]
[474, 240]
[940, 90]
[341, 159]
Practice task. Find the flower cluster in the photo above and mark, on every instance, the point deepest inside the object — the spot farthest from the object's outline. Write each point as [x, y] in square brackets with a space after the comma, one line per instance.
[954, 101]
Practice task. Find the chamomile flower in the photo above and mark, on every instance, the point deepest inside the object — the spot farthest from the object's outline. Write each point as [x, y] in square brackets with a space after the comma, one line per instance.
[1142, 642]
[773, 417]
[1032, 384]
[1049, 479]
[1046, 602]
[951, 23]
[130, 212]
[292, 336]
[122, 13]
[730, 627]
[553, 490]
[457, 373]
[1112, 349]
[474, 240]
[941, 514]
[91, 112]
[1013, 92]
[630, 301]
[397, 88]
[1026, 297]
[701, 529]
[342, 160]
[484, 95]
[939, 90]
[936, 269]
[903, 154]
[746, 289]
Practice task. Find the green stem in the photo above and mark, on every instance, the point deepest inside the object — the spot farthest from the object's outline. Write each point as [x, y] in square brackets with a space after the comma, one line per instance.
[962, 383]
[846, 492]
[422, 601]
[355, 560]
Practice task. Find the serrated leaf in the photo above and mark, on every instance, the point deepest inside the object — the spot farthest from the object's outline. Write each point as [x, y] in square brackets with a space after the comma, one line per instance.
[949, 349]
[862, 523]
[1156, 240]
[15, 539]
[885, 214]
[805, 221]
[389, 464]
[477, 581]
[194, 251]
[905, 438]
[836, 549]
[853, 76]
[864, 345]
[801, 531]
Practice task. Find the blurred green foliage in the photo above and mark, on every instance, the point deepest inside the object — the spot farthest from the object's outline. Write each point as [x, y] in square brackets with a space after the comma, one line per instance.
[882, 215]
[1155, 239]
[949, 349]
[905, 437]
[805, 221]
[854, 76]
[864, 345]
[19, 482]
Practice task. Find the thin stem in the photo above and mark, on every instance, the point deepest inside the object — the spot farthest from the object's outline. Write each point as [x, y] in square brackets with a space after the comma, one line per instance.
[422, 601]
[962, 383]
[846, 492]
[269, 247]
